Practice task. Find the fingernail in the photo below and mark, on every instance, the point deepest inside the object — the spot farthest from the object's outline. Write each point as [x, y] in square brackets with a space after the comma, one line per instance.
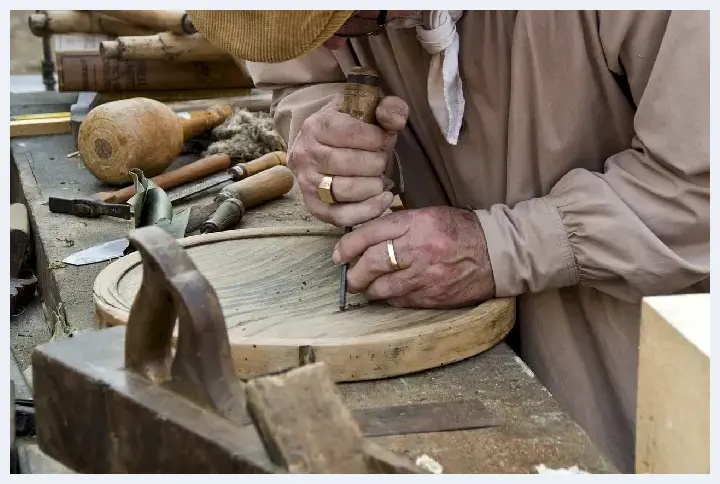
[336, 256]
[387, 198]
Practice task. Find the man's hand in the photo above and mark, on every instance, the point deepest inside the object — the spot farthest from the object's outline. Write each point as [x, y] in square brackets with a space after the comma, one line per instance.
[440, 251]
[356, 153]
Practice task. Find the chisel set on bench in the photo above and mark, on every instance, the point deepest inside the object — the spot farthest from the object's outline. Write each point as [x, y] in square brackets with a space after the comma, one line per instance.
[120, 400]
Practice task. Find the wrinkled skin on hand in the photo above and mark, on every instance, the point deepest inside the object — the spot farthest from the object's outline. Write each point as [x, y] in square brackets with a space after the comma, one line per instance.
[356, 153]
[441, 253]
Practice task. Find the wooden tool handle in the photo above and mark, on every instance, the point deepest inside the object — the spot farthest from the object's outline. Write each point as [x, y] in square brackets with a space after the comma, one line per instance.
[195, 123]
[155, 20]
[361, 95]
[268, 160]
[267, 185]
[171, 179]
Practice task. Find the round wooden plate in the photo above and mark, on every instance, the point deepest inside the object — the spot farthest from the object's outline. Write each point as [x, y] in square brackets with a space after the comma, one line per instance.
[279, 291]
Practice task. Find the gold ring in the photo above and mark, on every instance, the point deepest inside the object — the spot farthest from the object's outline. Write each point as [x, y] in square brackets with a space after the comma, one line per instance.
[391, 256]
[324, 190]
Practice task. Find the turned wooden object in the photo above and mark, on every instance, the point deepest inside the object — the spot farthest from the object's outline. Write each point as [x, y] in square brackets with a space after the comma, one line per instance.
[164, 46]
[139, 133]
[81, 22]
[278, 289]
[157, 20]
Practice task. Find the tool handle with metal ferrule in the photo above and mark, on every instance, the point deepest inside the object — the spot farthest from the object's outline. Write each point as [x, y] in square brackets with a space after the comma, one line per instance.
[237, 197]
[195, 123]
[361, 95]
[268, 160]
[360, 100]
[257, 189]
[227, 215]
[171, 179]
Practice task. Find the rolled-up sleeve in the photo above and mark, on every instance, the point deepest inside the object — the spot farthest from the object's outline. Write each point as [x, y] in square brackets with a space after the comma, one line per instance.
[642, 225]
[300, 87]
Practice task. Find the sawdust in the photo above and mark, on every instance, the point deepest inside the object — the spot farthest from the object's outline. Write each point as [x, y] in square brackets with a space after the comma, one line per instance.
[246, 136]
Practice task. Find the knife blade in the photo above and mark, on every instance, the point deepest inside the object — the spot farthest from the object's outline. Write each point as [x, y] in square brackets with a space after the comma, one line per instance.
[113, 249]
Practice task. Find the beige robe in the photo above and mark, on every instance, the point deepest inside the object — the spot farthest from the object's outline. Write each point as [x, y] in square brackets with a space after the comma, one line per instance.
[585, 153]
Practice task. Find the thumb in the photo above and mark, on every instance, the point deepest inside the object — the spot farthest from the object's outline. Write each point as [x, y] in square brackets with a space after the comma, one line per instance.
[392, 113]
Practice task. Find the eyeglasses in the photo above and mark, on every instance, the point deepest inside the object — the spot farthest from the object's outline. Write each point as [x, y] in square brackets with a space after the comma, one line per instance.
[363, 26]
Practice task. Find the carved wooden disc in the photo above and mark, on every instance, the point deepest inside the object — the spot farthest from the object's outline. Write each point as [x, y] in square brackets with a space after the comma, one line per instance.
[279, 291]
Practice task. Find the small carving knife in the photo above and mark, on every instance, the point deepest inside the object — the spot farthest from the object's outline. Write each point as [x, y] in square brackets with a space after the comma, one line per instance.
[83, 207]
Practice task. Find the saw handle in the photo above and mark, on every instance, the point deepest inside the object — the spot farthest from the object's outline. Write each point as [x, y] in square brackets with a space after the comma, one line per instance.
[196, 122]
[235, 199]
[171, 179]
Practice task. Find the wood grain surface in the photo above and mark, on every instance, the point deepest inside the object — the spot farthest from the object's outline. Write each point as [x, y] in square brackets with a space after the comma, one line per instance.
[278, 289]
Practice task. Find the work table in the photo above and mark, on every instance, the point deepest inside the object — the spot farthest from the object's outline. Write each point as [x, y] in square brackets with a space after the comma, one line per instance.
[533, 430]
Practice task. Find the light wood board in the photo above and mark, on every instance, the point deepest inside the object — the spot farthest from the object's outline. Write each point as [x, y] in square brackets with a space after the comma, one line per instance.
[279, 291]
[673, 399]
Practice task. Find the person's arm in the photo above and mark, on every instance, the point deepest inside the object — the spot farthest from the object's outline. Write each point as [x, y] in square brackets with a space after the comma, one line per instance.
[642, 226]
[300, 88]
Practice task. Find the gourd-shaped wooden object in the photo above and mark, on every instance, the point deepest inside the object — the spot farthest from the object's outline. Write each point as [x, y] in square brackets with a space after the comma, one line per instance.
[139, 133]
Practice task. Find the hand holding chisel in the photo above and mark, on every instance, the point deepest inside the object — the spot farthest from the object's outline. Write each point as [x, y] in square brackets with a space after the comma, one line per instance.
[360, 100]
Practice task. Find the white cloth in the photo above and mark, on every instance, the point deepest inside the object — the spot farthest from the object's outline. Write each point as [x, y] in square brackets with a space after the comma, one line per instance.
[435, 29]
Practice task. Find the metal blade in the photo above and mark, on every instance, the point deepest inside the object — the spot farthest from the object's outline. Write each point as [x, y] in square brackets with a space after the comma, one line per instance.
[199, 215]
[190, 189]
[423, 418]
[60, 205]
[98, 253]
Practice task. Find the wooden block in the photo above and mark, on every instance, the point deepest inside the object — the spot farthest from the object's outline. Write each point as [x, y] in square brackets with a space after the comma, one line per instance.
[40, 127]
[35, 461]
[19, 237]
[673, 408]
[304, 424]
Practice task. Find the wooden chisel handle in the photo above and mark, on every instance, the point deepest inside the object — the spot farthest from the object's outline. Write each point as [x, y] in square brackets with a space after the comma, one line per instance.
[266, 185]
[237, 197]
[268, 160]
[171, 179]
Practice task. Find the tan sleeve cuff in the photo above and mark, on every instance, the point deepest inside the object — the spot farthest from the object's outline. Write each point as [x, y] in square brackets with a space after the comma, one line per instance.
[528, 247]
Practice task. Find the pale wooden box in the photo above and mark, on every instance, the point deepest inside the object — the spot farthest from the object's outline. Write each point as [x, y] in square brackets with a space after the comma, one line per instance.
[673, 411]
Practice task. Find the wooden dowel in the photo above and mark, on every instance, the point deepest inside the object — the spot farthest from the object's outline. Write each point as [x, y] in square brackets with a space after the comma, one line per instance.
[156, 20]
[163, 46]
[80, 22]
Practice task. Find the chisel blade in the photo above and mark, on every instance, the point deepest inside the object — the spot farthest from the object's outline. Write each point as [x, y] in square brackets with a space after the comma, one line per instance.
[187, 191]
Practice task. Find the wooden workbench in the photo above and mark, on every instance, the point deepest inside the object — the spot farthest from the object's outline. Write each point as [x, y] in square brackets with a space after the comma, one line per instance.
[533, 429]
